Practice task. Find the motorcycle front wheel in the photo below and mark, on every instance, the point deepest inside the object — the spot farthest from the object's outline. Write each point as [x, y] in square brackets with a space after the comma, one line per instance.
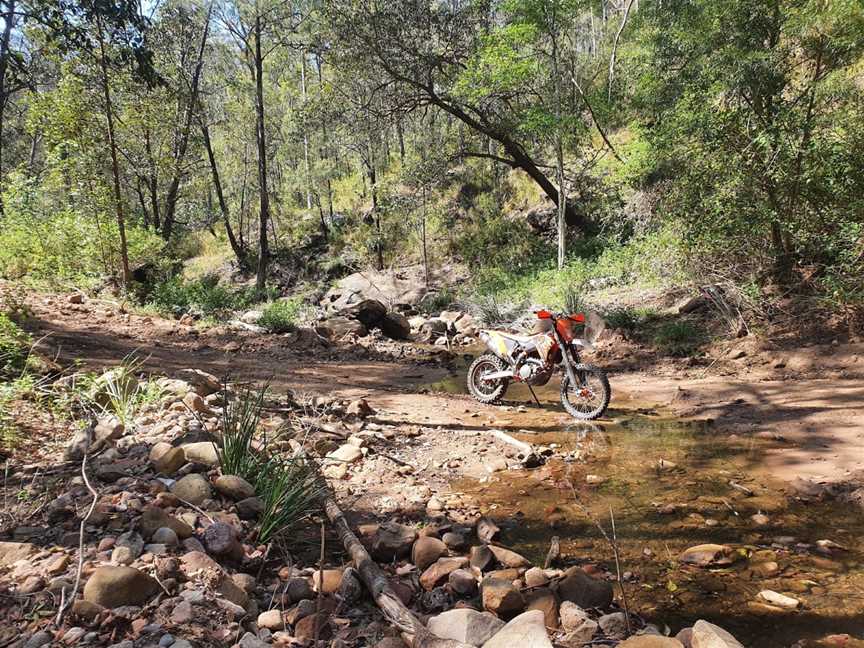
[588, 400]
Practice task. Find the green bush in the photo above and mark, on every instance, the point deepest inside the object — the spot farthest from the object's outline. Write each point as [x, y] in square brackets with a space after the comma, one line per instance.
[14, 348]
[280, 316]
[627, 318]
[679, 338]
[204, 296]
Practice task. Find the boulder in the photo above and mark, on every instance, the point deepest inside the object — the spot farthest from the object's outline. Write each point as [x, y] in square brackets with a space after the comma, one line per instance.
[113, 587]
[202, 452]
[335, 328]
[392, 541]
[432, 329]
[389, 287]
[525, 631]
[234, 487]
[544, 600]
[170, 461]
[708, 635]
[192, 488]
[501, 597]
[426, 551]
[535, 577]
[613, 625]
[395, 326]
[155, 518]
[586, 592]
[466, 626]
[481, 556]
[369, 312]
[572, 616]
[462, 582]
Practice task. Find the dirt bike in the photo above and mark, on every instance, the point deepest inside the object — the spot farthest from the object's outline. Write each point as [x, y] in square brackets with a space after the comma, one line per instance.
[532, 359]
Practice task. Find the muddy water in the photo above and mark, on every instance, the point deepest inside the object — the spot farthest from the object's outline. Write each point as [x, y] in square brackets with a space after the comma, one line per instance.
[672, 484]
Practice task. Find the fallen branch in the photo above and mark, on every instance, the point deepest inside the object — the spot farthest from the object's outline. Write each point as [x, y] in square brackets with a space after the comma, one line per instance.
[525, 448]
[414, 633]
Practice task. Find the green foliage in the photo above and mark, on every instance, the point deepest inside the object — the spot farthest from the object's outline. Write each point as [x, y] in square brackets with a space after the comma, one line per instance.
[679, 337]
[280, 316]
[14, 348]
[204, 296]
[290, 488]
[628, 319]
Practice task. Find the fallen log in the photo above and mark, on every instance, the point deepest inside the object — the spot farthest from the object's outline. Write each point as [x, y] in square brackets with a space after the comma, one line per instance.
[525, 449]
[414, 633]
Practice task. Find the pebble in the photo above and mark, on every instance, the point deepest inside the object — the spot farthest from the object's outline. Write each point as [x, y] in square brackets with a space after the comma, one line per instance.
[166, 640]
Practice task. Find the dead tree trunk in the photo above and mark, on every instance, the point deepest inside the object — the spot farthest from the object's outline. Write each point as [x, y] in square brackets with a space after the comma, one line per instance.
[414, 633]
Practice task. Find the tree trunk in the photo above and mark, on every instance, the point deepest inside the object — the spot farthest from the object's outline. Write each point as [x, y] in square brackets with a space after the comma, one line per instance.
[115, 167]
[239, 250]
[183, 144]
[559, 144]
[423, 240]
[264, 208]
[305, 136]
[5, 40]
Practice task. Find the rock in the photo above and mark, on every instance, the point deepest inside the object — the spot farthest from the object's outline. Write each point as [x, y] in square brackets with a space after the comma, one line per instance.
[31, 585]
[481, 556]
[708, 635]
[195, 403]
[166, 536]
[392, 541]
[525, 631]
[304, 629]
[170, 461]
[440, 570]
[347, 453]
[465, 626]
[572, 616]
[182, 613]
[766, 569]
[249, 640]
[113, 587]
[108, 428]
[544, 600]
[221, 540]
[509, 558]
[296, 590]
[359, 408]
[650, 641]
[41, 638]
[335, 328]
[201, 452]
[535, 577]
[586, 592]
[332, 578]
[369, 312]
[760, 519]
[395, 326]
[192, 488]
[685, 636]
[501, 597]
[234, 487]
[455, 541]
[707, 555]
[155, 518]
[86, 610]
[780, 600]
[432, 329]
[249, 508]
[202, 382]
[462, 582]
[426, 551]
[613, 625]
[194, 564]
[272, 620]
[691, 304]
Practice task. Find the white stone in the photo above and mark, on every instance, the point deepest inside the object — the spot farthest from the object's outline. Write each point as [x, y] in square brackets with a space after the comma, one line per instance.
[780, 600]
[528, 630]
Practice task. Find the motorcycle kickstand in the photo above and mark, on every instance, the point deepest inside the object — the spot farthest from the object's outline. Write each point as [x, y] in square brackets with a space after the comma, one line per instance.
[536, 400]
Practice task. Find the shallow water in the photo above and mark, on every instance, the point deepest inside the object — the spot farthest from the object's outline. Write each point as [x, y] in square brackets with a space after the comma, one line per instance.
[672, 484]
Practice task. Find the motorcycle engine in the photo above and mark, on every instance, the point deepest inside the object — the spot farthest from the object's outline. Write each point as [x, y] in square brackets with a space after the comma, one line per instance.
[533, 372]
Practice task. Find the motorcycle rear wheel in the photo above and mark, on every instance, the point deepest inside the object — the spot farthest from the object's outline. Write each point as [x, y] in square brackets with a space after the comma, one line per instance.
[588, 401]
[483, 391]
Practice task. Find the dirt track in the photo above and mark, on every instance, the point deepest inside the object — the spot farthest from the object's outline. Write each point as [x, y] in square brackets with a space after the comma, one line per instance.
[818, 422]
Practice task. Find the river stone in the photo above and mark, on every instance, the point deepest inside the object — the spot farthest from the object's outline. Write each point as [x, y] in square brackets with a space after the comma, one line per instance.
[193, 488]
[535, 577]
[395, 326]
[481, 556]
[707, 555]
[346, 454]
[332, 579]
[780, 600]
[440, 570]
[572, 616]
[272, 620]
[249, 508]
[202, 382]
[708, 635]
[221, 540]
[613, 625]
[462, 582]
[586, 592]
[426, 551]
[525, 631]
[234, 487]
[650, 641]
[509, 558]
[202, 452]
[501, 597]
[113, 587]
[296, 590]
[195, 403]
[166, 536]
[154, 518]
[392, 540]
[544, 600]
[170, 461]
[466, 626]
[12, 552]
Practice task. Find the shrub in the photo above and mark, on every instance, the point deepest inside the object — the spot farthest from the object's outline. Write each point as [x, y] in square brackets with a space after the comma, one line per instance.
[14, 348]
[280, 316]
[204, 296]
[679, 338]
[627, 318]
